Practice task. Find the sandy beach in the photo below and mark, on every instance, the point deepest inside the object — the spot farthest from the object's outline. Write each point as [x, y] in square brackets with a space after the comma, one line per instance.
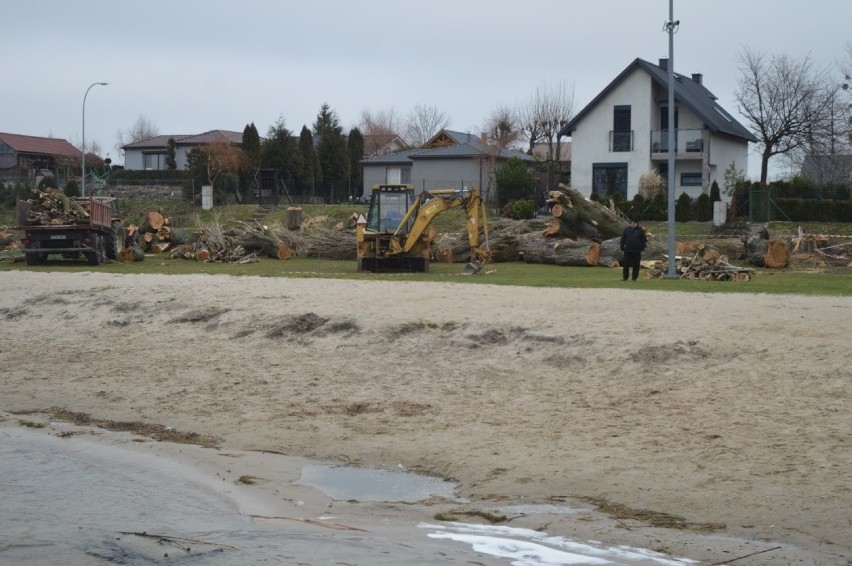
[692, 422]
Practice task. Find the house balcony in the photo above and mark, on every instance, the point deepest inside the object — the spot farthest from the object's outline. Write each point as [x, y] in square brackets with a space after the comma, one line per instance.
[689, 144]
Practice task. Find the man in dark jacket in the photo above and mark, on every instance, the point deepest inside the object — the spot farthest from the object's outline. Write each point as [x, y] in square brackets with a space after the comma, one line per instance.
[633, 242]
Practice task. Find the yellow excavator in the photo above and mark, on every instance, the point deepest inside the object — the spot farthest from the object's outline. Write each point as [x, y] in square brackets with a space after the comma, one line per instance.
[397, 232]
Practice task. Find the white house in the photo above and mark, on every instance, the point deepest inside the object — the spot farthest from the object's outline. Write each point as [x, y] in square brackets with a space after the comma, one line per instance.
[623, 133]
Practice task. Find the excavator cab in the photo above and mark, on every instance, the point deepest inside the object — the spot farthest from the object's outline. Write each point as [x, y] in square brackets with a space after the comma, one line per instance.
[388, 205]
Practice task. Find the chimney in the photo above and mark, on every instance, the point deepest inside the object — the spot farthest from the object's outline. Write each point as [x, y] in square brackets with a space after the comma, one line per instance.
[664, 64]
[483, 137]
[698, 77]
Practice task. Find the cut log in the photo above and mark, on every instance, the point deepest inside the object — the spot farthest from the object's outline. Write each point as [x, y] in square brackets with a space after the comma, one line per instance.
[768, 253]
[202, 255]
[156, 220]
[159, 247]
[293, 218]
[581, 217]
[126, 254]
[444, 255]
[533, 248]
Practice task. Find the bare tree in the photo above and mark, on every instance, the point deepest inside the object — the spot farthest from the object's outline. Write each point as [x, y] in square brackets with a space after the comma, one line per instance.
[846, 92]
[501, 131]
[377, 128]
[785, 101]
[383, 122]
[142, 129]
[422, 123]
[541, 117]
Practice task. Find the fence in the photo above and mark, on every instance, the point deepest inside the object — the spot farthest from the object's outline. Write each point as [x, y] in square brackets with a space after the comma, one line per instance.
[789, 203]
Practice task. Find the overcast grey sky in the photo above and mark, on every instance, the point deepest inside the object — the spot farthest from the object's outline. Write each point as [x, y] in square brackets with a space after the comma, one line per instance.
[195, 65]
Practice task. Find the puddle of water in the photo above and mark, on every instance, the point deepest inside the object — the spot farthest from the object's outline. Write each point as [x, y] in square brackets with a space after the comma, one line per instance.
[361, 484]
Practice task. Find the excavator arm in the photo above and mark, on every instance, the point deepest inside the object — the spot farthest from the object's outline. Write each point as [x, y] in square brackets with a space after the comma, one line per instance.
[430, 204]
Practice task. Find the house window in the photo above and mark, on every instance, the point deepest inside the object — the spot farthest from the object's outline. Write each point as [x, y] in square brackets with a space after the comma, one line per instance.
[397, 175]
[622, 136]
[691, 180]
[153, 161]
[609, 178]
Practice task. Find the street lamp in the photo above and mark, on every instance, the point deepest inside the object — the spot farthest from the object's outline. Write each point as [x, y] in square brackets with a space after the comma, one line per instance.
[83, 176]
[671, 27]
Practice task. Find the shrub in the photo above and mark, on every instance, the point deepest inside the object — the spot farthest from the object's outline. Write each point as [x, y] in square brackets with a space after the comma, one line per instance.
[683, 208]
[72, 189]
[659, 208]
[11, 192]
[715, 193]
[520, 209]
[703, 208]
[47, 182]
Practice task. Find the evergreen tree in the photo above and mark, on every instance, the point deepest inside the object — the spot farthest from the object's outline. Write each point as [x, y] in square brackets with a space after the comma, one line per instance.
[171, 162]
[514, 181]
[310, 166]
[683, 208]
[331, 149]
[715, 193]
[703, 208]
[251, 151]
[355, 149]
[279, 152]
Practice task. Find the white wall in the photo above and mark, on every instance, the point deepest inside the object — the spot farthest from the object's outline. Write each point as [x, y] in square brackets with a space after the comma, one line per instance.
[590, 141]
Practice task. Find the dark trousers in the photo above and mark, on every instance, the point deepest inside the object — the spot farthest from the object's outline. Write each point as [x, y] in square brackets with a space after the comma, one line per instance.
[631, 260]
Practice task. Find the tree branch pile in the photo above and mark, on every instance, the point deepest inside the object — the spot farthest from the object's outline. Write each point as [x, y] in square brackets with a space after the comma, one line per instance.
[706, 263]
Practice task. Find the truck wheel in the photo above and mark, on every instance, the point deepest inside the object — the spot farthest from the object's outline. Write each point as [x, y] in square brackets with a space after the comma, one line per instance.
[115, 240]
[96, 256]
[33, 259]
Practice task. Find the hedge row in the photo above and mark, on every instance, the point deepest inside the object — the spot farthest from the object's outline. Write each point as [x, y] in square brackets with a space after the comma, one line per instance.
[805, 210]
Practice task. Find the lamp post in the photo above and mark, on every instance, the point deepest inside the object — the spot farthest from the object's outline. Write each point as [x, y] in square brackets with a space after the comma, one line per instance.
[83, 168]
[671, 27]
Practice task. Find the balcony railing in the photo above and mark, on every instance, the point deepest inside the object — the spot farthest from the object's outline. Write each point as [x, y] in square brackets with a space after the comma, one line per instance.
[621, 141]
[686, 142]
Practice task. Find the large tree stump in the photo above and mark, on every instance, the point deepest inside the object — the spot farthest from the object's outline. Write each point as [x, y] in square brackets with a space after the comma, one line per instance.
[767, 253]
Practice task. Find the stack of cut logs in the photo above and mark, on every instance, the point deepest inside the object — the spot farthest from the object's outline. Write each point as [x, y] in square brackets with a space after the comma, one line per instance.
[53, 208]
[701, 261]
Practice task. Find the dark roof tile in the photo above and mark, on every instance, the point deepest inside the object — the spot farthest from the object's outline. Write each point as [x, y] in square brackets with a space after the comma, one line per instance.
[38, 145]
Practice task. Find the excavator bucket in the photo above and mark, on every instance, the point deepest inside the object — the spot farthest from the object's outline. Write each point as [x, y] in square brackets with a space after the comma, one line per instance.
[473, 267]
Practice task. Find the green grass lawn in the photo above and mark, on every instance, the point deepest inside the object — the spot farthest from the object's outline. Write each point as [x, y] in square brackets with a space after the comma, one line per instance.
[829, 281]
[825, 281]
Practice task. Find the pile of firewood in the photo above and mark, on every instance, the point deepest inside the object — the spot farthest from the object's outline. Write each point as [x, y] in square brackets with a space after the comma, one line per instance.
[157, 235]
[705, 263]
[8, 240]
[243, 243]
[52, 207]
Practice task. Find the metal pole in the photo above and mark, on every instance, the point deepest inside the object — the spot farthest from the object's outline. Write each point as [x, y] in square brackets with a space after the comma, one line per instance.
[83, 167]
[671, 140]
